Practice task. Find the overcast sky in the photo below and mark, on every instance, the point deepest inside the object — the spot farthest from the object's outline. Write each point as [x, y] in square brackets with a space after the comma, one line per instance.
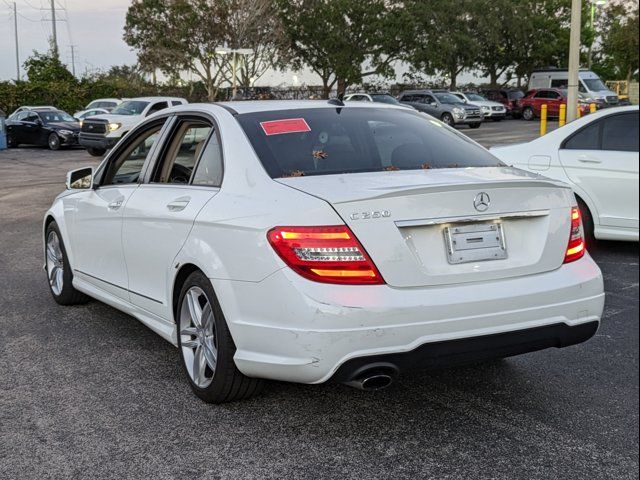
[95, 27]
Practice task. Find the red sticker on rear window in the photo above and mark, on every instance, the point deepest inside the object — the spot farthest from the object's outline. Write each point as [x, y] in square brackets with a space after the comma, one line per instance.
[288, 125]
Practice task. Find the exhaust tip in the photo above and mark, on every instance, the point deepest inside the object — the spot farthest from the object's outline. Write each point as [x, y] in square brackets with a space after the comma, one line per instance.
[377, 382]
[374, 377]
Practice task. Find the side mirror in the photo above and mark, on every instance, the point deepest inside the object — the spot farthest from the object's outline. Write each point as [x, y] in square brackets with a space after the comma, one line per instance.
[433, 104]
[80, 179]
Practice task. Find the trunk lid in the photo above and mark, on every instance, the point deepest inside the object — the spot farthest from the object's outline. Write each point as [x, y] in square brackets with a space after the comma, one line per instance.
[422, 227]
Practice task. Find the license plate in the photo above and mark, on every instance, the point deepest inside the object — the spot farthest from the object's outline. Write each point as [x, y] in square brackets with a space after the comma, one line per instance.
[475, 242]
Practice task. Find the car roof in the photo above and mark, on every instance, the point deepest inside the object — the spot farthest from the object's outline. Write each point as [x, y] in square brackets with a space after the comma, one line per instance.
[255, 106]
[424, 90]
[153, 99]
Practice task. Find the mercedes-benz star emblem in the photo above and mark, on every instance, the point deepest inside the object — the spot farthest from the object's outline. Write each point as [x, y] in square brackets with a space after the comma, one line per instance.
[482, 202]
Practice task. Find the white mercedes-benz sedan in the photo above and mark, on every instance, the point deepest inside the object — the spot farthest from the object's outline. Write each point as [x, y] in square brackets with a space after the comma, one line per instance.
[598, 156]
[312, 242]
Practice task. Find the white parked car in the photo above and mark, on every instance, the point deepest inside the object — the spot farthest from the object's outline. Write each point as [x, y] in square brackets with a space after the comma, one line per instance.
[490, 110]
[106, 104]
[316, 241]
[102, 132]
[598, 156]
[90, 113]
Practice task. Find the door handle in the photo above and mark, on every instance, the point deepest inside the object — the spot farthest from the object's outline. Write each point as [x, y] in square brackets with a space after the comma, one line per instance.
[588, 159]
[178, 205]
[115, 205]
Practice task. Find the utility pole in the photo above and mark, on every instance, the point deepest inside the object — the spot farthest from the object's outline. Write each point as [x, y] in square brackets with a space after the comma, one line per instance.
[15, 30]
[574, 60]
[73, 60]
[53, 26]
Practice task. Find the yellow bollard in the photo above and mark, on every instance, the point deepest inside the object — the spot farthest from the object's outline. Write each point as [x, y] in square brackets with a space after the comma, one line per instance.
[562, 119]
[543, 120]
[592, 108]
[579, 113]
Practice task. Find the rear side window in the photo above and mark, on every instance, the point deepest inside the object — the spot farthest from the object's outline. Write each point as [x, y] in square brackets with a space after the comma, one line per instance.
[326, 141]
[586, 139]
[620, 133]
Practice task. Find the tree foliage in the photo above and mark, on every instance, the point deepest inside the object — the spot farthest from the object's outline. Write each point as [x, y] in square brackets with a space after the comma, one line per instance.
[618, 53]
[47, 67]
[343, 41]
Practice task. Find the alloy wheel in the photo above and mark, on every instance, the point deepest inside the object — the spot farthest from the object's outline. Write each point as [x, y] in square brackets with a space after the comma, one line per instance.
[54, 142]
[198, 338]
[55, 263]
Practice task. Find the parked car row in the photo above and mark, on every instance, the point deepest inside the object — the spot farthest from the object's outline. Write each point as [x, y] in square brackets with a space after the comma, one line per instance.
[97, 128]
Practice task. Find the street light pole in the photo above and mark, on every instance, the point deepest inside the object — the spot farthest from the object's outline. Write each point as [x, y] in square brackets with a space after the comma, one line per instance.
[574, 60]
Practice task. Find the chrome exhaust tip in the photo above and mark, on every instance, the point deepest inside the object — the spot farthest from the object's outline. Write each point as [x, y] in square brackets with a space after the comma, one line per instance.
[374, 377]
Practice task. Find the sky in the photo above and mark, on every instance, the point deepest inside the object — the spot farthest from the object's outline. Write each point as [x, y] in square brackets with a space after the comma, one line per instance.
[95, 29]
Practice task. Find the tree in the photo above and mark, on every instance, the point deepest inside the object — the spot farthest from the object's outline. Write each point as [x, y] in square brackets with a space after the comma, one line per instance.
[619, 48]
[343, 41]
[441, 37]
[47, 67]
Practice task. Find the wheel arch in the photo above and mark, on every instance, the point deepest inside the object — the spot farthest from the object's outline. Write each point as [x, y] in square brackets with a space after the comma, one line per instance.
[182, 274]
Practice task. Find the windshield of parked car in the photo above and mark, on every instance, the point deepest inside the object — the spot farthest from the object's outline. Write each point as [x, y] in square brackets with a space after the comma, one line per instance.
[324, 141]
[515, 95]
[384, 98]
[594, 84]
[134, 107]
[55, 116]
[447, 98]
[474, 97]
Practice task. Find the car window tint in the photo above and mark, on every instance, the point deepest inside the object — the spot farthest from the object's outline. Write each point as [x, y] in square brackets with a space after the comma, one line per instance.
[156, 107]
[184, 149]
[126, 168]
[31, 117]
[175, 103]
[327, 141]
[586, 139]
[620, 133]
[209, 169]
[541, 95]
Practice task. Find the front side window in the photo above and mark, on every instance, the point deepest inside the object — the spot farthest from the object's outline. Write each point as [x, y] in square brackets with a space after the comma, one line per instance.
[183, 152]
[157, 107]
[127, 166]
[620, 133]
[325, 141]
[448, 98]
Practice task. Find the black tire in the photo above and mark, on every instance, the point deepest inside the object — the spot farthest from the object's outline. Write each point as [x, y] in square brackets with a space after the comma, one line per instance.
[448, 119]
[587, 224]
[96, 152]
[68, 294]
[53, 141]
[528, 114]
[11, 143]
[475, 125]
[228, 383]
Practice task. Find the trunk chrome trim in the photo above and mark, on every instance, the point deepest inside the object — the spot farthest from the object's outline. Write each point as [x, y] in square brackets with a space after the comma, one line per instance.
[474, 218]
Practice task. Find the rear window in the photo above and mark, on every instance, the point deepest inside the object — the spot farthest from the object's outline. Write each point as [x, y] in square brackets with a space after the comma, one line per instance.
[326, 141]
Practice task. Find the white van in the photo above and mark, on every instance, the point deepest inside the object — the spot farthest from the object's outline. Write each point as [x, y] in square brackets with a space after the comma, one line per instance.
[590, 84]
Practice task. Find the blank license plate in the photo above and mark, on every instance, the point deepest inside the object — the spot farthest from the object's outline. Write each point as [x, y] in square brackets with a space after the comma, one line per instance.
[475, 242]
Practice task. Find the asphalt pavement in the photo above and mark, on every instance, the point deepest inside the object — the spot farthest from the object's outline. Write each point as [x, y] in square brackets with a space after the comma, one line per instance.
[89, 392]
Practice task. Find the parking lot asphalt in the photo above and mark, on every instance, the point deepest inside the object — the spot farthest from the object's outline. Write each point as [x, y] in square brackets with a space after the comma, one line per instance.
[89, 392]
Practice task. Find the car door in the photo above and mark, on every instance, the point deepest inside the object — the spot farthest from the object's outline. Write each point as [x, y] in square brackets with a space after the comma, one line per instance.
[16, 127]
[186, 176]
[538, 100]
[602, 160]
[554, 100]
[96, 223]
[31, 129]
[430, 105]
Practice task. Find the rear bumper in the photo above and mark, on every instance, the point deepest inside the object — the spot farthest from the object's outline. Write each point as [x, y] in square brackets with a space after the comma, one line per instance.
[316, 329]
[93, 140]
[474, 349]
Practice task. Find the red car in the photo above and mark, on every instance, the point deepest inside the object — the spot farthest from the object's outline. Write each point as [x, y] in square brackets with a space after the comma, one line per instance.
[531, 104]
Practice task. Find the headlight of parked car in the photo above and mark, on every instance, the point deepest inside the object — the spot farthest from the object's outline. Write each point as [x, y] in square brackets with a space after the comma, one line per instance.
[114, 126]
[65, 132]
[486, 109]
[458, 110]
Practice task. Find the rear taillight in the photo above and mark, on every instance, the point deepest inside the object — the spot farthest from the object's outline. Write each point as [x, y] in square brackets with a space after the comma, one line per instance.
[329, 254]
[576, 248]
